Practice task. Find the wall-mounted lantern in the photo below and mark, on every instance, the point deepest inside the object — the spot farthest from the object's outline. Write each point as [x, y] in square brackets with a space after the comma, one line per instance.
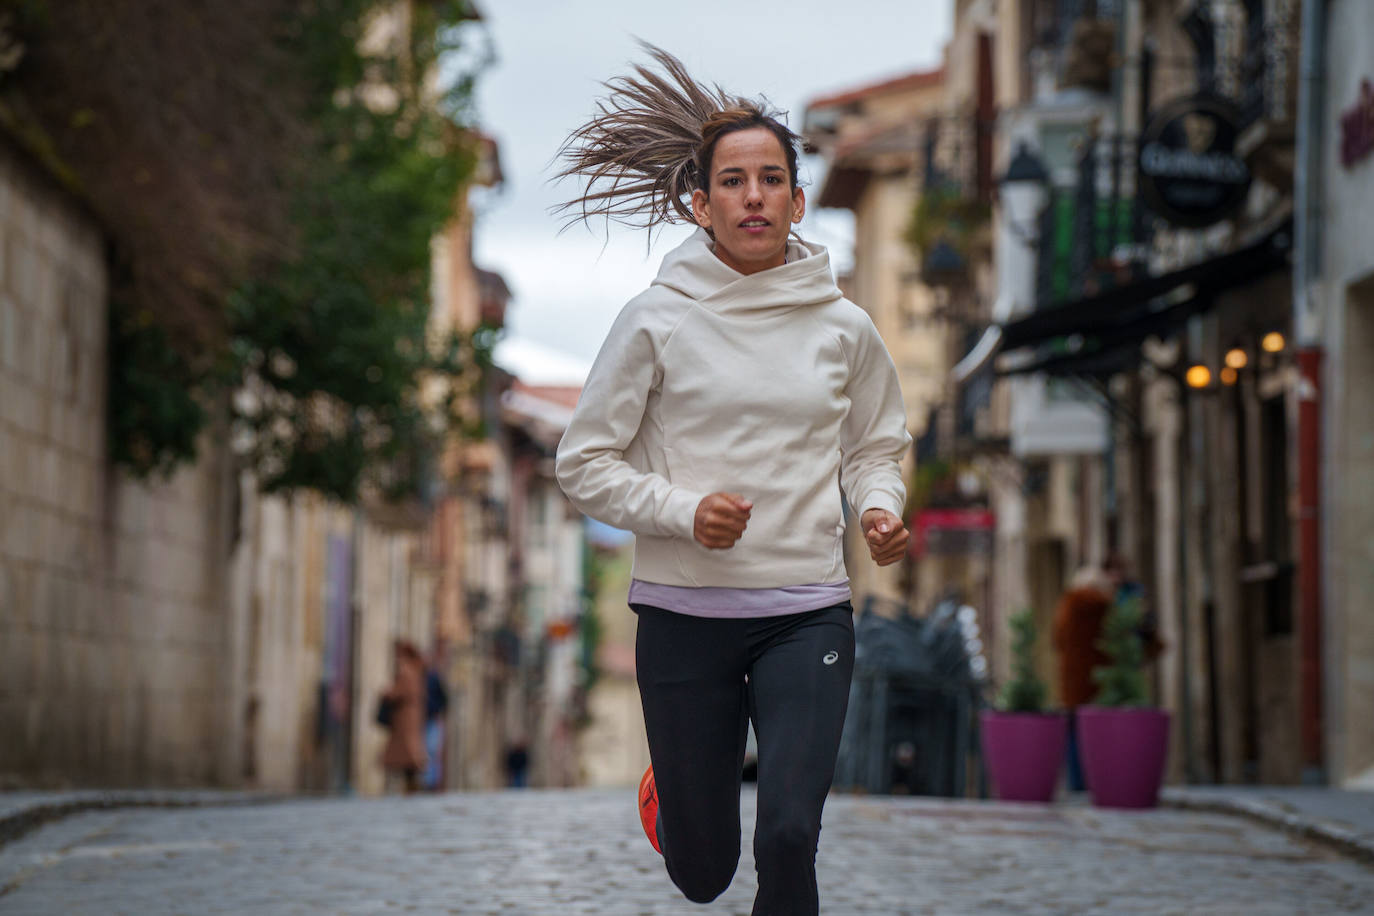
[1198, 376]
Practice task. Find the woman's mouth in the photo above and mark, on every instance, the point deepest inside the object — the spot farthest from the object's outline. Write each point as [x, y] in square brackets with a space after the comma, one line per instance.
[755, 224]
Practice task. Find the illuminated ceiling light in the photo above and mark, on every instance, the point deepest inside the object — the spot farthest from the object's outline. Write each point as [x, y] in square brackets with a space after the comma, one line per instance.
[1272, 342]
[1198, 376]
[1236, 358]
[1228, 376]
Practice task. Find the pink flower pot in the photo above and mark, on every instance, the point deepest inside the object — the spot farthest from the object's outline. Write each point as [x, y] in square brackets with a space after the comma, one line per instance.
[1023, 752]
[1123, 752]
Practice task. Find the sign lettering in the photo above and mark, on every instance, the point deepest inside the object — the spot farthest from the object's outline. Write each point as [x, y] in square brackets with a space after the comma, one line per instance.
[1357, 128]
[1187, 167]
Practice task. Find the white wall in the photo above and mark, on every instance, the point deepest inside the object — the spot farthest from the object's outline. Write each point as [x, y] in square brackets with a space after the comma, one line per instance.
[1347, 294]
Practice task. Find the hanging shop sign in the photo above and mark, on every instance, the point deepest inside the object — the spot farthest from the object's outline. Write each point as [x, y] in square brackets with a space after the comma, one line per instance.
[1188, 169]
[952, 531]
[1357, 128]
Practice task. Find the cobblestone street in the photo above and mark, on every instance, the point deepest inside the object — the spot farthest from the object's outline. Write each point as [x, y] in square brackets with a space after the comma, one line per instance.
[582, 852]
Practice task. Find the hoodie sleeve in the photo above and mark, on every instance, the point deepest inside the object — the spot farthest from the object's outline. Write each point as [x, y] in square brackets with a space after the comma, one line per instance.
[591, 465]
[873, 437]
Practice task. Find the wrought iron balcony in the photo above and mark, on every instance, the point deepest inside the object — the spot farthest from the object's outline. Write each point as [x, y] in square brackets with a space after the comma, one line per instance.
[1096, 233]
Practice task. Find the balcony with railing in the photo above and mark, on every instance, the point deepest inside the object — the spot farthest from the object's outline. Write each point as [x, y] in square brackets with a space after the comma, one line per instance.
[1245, 52]
[1094, 234]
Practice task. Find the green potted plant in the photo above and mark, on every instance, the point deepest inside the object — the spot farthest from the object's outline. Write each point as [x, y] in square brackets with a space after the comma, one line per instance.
[1023, 744]
[1124, 739]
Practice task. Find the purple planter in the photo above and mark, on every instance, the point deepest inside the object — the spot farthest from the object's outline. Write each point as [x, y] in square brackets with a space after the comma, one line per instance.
[1123, 752]
[1023, 751]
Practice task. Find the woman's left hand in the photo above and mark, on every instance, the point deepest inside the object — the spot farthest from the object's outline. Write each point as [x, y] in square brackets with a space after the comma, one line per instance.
[887, 537]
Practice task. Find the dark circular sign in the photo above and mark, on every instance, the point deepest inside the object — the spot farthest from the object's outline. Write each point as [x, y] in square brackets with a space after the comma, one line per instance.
[1187, 166]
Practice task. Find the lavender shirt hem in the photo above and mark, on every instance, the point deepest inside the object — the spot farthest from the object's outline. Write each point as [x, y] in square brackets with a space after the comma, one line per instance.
[739, 603]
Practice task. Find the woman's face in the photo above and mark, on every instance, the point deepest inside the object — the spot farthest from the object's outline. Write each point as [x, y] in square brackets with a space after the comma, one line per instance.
[751, 206]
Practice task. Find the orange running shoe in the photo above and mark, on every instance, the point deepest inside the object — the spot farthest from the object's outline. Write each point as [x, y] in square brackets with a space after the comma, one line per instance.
[648, 808]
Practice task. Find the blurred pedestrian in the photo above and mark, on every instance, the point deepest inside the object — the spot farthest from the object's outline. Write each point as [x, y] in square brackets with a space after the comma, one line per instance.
[436, 708]
[404, 755]
[1078, 622]
[517, 765]
[729, 404]
[1124, 587]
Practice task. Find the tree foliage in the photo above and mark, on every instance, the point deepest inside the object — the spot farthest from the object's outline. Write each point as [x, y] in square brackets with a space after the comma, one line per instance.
[152, 403]
[270, 176]
[345, 387]
[595, 563]
[1025, 691]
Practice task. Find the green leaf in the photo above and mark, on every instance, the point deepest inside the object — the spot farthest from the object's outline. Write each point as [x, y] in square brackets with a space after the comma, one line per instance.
[330, 339]
[1121, 682]
[1025, 691]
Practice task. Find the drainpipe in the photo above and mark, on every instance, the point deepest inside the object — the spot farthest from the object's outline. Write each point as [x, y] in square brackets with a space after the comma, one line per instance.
[1307, 302]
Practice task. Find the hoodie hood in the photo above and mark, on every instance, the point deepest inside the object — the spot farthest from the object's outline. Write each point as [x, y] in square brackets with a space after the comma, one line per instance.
[693, 270]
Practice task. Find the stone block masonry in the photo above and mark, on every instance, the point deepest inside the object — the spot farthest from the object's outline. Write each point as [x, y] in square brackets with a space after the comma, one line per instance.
[111, 629]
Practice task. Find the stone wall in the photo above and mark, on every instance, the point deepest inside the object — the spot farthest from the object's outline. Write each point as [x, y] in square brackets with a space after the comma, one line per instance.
[190, 631]
[111, 618]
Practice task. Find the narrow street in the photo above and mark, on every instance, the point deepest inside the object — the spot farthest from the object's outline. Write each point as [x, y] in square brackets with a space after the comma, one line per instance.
[581, 851]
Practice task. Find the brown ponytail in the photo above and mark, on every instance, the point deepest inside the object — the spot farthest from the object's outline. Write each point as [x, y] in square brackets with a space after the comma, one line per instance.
[651, 144]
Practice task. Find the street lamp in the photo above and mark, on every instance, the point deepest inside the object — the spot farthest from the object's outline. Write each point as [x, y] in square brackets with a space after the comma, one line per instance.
[1024, 187]
[1272, 342]
[1022, 194]
[944, 265]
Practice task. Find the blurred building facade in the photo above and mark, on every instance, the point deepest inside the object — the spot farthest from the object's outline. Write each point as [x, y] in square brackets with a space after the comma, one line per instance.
[1152, 358]
[197, 632]
[614, 747]
[874, 141]
[1335, 303]
[1136, 282]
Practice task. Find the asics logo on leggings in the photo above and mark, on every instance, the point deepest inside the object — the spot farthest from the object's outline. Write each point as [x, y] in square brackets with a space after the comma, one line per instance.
[831, 657]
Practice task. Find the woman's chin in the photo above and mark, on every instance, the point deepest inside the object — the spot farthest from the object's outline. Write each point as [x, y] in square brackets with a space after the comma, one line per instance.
[753, 255]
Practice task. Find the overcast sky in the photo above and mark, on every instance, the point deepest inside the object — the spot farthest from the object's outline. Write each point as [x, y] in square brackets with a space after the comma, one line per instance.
[550, 58]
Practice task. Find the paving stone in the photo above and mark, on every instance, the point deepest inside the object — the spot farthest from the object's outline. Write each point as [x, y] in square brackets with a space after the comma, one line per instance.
[581, 851]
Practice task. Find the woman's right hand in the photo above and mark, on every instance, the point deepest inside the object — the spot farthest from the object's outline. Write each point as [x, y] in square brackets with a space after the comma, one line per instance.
[721, 520]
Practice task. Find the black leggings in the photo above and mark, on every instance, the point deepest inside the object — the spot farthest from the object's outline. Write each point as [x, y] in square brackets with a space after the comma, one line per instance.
[697, 705]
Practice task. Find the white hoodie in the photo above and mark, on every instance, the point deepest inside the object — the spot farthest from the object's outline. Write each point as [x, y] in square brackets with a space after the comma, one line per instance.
[770, 385]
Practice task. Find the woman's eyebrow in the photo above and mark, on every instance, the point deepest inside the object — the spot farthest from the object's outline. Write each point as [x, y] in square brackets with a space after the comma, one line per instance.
[734, 169]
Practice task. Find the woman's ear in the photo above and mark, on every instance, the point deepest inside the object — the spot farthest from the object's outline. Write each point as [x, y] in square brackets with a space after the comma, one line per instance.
[798, 205]
[701, 208]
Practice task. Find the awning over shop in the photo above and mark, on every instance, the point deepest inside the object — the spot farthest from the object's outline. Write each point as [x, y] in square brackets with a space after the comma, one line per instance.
[1112, 349]
[1101, 333]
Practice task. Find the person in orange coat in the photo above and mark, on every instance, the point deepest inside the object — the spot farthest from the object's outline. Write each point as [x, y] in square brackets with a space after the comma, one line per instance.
[1077, 628]
[404, 753]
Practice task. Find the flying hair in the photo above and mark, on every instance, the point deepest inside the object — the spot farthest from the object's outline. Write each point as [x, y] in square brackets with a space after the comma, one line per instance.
[649, 145]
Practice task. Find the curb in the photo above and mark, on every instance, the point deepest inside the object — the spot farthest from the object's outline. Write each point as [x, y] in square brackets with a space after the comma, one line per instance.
[47, 807]
[1272, 813]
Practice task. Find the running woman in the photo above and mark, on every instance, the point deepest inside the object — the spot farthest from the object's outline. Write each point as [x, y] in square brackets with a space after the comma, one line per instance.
[732, 404]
